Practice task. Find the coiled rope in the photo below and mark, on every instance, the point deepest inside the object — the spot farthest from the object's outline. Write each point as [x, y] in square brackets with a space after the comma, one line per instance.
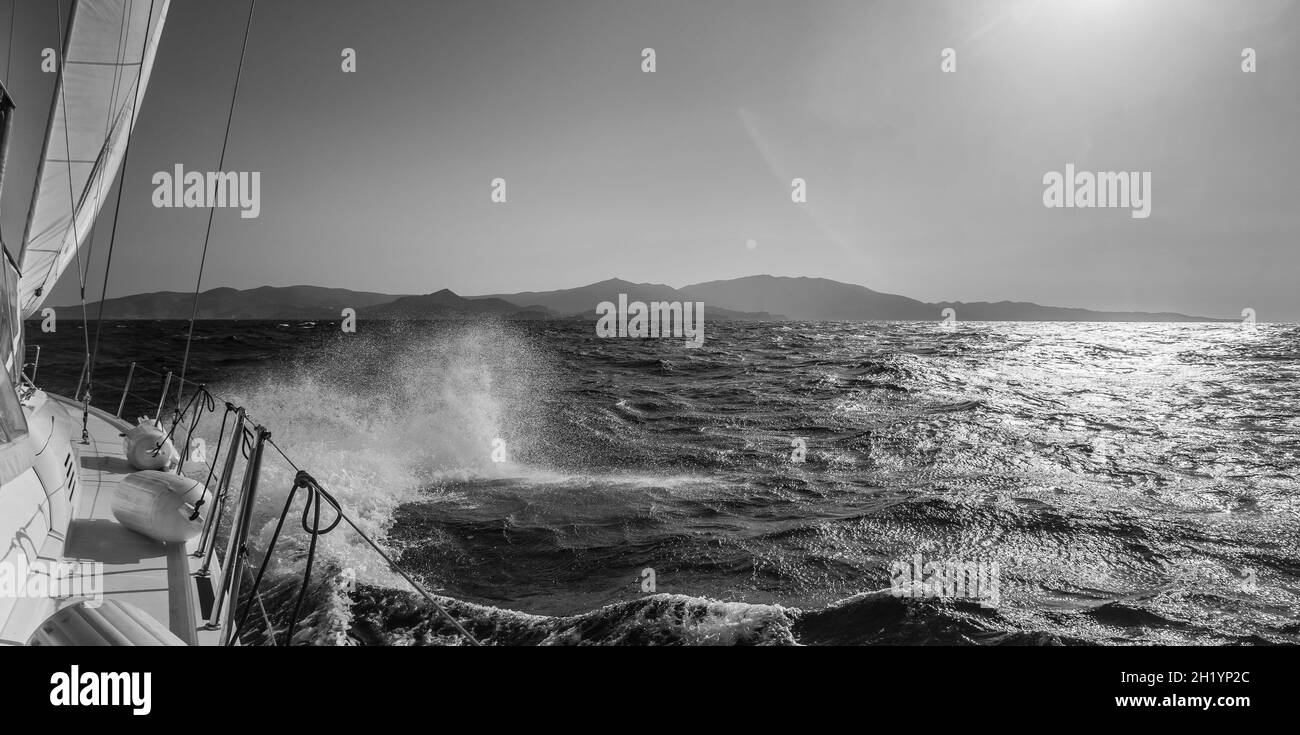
[315, 496]
[208, 403]
[212, 466]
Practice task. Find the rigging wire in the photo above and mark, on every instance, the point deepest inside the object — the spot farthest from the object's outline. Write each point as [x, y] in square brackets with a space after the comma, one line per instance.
[58, 94]
[66, 44]
[302, 475]
[221, 165]
[316, 496]
[67, 152]
[117, 208]
[68, 156]
[212, 468]
[205, 402]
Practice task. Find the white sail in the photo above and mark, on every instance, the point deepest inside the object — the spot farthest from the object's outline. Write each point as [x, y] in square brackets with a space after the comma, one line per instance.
[103, 74]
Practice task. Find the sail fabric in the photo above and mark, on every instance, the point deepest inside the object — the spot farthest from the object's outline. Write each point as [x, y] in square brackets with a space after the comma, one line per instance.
[103, 74]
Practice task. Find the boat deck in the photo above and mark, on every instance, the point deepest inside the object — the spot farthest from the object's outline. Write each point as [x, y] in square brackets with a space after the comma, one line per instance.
[159, 578]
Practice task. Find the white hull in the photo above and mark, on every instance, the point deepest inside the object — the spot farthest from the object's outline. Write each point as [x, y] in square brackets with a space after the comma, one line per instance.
[60, 511]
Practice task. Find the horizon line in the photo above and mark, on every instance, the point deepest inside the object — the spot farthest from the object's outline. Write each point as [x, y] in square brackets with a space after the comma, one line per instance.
[645, 283]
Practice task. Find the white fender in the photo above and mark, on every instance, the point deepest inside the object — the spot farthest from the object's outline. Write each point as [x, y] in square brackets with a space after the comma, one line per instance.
[140, 445]
[160, 505]
[114, 623]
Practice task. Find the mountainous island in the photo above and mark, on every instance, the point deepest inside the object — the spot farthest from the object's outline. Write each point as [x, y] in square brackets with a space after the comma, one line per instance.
[752, 298]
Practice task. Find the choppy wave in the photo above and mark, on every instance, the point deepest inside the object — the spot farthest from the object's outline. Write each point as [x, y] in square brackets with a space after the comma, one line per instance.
[1133, 483]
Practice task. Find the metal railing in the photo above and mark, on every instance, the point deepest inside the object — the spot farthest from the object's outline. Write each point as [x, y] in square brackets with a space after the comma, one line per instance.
[250, 437]
[126, 390]
[236, 557]
[82, 396]
[34, 364]
[208, 540]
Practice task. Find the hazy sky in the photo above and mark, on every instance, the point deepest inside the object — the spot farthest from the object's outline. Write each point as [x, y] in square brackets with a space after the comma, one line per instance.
[919, 182]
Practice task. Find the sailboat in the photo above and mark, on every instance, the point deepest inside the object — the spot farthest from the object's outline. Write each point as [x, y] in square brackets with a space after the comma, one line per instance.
[104, 539]
[95, 550]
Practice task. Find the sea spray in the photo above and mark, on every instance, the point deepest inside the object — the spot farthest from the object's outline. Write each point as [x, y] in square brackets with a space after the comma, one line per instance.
[957, 447]
[380, 422]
